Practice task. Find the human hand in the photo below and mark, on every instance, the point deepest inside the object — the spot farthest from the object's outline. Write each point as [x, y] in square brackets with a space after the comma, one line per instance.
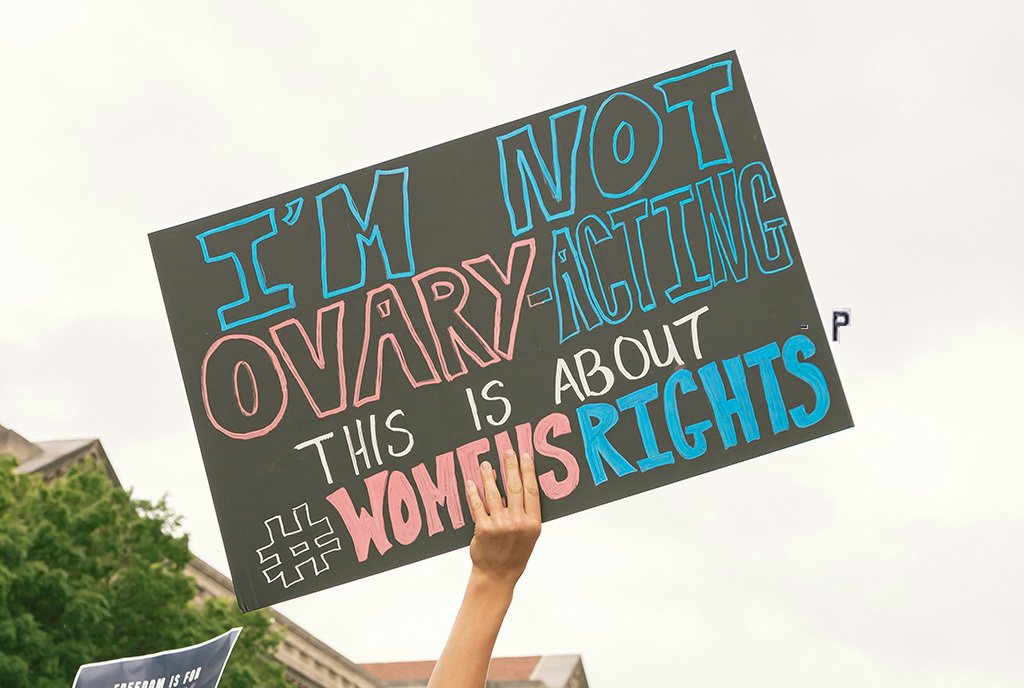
[504, 534]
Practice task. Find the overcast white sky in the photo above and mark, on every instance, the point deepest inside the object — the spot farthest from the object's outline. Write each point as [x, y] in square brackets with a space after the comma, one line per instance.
[890, 554]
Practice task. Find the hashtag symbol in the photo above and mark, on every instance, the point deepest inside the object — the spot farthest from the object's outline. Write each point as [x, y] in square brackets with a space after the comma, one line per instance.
[289, 550]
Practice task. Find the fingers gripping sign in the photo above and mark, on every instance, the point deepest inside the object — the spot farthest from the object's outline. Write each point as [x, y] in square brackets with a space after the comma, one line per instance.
[505, 531]
[531, 491]
[503, 538]
[492, 498]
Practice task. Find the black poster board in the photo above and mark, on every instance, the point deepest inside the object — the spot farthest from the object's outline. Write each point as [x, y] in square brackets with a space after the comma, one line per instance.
[613, 285]
[196, 666]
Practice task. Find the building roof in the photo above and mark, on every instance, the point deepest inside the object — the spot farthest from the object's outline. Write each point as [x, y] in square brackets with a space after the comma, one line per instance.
[320, 657]
[501, 669]
[54, 457]
[553, 671]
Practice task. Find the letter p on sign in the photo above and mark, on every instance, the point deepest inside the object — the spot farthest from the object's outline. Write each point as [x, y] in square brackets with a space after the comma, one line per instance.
[840, 318]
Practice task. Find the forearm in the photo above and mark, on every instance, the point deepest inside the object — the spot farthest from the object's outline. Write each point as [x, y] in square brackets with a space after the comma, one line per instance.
[503, 538]
[466, 655]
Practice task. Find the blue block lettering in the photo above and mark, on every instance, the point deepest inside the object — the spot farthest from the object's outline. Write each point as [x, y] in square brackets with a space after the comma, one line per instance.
[630, 218]
[719, 209]
[615, 174]
[762, 358]
[796, 347]
[681, 383]
[724, 407]
[572, 295]
[690, 279]
[521, 164]
[638, 401]
[698, 92]
[596, 444]
[767, 237]
[239, 242]
[385, 222]
[616, 300]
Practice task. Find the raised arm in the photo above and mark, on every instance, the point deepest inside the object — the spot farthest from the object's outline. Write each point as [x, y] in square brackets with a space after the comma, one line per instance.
[503, 539]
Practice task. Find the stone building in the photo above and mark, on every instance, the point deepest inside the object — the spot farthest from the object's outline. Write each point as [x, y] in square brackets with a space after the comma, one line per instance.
[308, 661]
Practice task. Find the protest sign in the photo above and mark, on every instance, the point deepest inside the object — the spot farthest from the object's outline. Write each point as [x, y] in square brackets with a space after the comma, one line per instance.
[612, 285]
[197, 666]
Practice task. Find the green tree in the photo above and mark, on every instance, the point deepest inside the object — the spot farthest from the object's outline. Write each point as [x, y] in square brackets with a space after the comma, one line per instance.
[87, 573]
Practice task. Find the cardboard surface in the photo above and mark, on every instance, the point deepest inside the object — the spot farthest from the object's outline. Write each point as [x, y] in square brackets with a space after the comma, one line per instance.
[613, 285]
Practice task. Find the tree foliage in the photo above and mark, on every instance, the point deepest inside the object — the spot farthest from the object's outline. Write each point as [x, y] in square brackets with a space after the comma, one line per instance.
[87, 573]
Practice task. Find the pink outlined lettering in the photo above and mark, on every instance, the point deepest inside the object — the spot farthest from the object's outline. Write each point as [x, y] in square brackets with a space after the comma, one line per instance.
[444, 492]
[250, 412]
[317, 356]
[378, 310]
[449, 291]
[517, 271]
[556, 424]
[400, 493]
[367, 526]
[204, 373]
